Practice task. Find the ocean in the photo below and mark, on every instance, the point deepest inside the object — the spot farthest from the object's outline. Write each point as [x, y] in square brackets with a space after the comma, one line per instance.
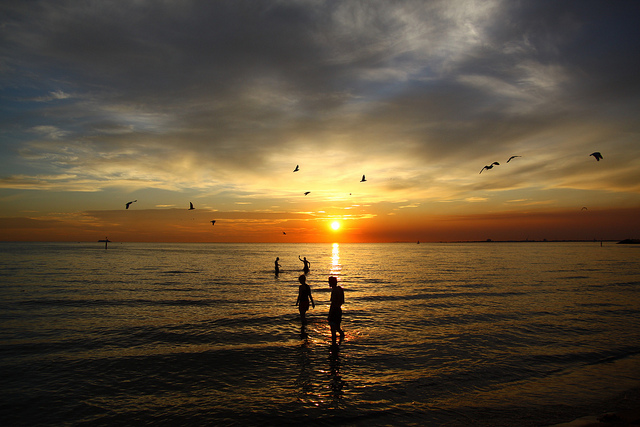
[450, 334]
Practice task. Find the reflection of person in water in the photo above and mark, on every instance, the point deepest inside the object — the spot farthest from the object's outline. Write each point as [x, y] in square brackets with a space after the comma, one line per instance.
[277, 266]
[304, 295]
[336, 383]
[307, 264]
[335, 310]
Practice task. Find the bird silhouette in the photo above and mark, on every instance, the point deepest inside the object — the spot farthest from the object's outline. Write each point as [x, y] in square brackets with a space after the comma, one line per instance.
[213, 222]
[584, 208]
[362, 180]
[486, 167]
[489, 166]
[191, 206]
[296, 169]
[307, 192]
[284, 233]
[127, 205]
[512, 157]
[597, 155]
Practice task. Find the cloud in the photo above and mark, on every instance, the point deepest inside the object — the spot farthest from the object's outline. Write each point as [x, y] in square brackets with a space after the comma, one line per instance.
[52, 96]
[224, 98]
[50, 132]
[27, 223]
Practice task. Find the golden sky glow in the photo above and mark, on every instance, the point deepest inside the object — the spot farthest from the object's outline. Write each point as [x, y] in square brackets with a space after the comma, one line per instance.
[217, 103]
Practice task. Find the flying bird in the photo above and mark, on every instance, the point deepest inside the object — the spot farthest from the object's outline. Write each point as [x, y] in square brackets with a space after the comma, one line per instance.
[584, 208]
[127, 205]
[284, 233]
[597, 155]
[191, 206]
[307, 192]
[489, 166]
[362, 180]
[512, 157]
[296, 169]
[213, 222]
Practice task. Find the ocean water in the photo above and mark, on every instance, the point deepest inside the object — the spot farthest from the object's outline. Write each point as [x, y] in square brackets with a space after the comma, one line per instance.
[206, 334]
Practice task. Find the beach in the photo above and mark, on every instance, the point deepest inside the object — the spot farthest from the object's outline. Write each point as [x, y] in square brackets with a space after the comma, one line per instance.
[623, 410]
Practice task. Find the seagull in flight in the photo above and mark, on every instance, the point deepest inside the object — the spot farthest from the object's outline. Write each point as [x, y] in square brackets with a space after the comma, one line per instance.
[512, 157]
[307, 192]
[213, 222]
[584, 208]
[362, 180]
[297, 168]
[127, 205]
[191, 206]
[597, 155]
[284, 233]
[489, 166]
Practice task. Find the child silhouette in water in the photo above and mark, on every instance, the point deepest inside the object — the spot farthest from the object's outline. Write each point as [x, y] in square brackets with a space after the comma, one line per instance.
[304, 295]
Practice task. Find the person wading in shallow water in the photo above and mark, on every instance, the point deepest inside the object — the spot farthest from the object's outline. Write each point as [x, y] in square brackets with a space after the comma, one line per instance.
[307, 264]
[277, 266]
[304, 295]
[335, 311]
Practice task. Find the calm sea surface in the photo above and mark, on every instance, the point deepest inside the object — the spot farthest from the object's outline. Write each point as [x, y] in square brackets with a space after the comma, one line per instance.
[205, 334]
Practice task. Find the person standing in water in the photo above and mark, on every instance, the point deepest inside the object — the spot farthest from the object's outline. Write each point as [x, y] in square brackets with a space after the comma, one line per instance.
[304, 295]
[335, 310]
[307, 264]
[277, 266]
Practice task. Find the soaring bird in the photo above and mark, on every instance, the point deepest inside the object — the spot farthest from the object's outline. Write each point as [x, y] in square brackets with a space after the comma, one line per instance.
[127, 205]
[296, 169]
[597, 155]
[512, 157]
[489, 166]
[284, 233]
[213, 222]
[191, 206]
[307, 192]
[584, 208]
[362, 180]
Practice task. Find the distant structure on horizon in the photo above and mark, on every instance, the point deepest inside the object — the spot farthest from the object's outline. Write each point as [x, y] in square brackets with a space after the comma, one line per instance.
[106, 242]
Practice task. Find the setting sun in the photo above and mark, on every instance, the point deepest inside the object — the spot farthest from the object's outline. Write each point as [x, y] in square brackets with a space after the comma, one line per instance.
[335, 225]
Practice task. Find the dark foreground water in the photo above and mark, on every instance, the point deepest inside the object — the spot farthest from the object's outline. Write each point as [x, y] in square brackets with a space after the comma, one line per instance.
[205, 334]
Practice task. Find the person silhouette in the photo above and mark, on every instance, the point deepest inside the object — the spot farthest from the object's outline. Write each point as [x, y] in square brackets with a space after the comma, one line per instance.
[307, 264]
[335, 310]
[304, 295]
[277, 266]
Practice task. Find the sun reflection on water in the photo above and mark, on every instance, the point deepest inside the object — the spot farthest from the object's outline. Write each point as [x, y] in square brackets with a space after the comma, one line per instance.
[336, 267]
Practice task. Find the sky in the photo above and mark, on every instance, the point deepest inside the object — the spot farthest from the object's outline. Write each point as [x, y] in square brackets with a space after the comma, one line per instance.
[216, 103]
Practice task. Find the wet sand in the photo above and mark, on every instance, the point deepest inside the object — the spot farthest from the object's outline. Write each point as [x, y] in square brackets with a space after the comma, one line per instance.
[624, 410]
